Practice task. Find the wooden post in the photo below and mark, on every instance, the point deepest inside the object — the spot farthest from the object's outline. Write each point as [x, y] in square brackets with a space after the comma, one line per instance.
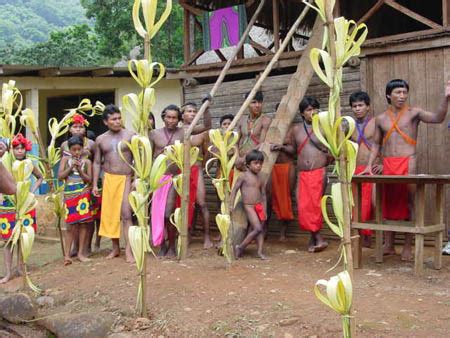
[439, 219]
[269, 68]
[188, 132]
[378, 220]
[419, 224]
[276, 23]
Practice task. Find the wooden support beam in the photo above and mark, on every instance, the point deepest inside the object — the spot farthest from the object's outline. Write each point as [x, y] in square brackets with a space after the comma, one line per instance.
[412, 14]
[102, 72]
[50, 72]
[445, 12]
[220, 55]
[193, 10]
[194, 57]
[276, 23]
[260, 47]
[371, 11]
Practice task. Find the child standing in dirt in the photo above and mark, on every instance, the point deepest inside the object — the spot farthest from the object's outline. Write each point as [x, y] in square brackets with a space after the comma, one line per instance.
[77, 173]
[20, 147]
[253, 194]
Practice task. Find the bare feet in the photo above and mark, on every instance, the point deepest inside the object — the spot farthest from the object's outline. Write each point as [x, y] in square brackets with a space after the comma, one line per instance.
[388, 251]
[83, 259]
[237, 252]
[321, 245]
[171, 252]
[113, 254]
[207, 244]
[67, 261]
[283, 237]
[5, 279]
[262, 256]
[74, 252]
[162, 251]
[311, 244]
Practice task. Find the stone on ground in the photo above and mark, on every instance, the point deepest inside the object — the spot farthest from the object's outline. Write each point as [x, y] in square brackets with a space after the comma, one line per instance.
[17, 308]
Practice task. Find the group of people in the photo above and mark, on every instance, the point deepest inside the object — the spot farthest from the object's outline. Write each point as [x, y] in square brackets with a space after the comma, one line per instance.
[98, 181]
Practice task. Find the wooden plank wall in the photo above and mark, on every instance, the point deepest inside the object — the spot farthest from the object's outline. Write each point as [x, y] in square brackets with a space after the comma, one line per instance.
[231, 96]
[426, 71]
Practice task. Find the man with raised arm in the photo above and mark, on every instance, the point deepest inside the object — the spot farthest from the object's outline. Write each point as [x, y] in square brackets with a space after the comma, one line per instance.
[396, 132]
[117, 181]
[252, 129]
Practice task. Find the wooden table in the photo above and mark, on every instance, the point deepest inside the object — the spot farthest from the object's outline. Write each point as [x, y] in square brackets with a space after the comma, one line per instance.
[417, 226]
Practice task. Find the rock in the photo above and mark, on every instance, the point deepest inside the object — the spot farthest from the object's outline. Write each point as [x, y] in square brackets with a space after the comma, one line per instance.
[288, 321]
[45, 301]
[80, 325]
[17, 307]
[290, 252]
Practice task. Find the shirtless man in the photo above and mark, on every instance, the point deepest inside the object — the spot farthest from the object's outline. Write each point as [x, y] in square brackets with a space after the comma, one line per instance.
[117, 181]
[396, 131]
[363, 135]
[200, 140]
[279, 191]
[252, 129]
[312, 161]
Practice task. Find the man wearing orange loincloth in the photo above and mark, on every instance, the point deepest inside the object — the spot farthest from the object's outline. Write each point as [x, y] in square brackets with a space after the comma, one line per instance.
[396, 131]
[363, 135]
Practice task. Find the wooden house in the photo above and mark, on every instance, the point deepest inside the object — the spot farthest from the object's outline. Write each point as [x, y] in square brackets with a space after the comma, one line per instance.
[407, 39]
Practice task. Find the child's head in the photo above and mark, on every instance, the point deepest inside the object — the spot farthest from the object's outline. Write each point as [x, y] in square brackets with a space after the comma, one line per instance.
[255, 106]
[4, 145]
[20, 146]
[254, 160]
[360, 104]
[189, 110]
[397, 91]
[151, 121]
[75, 144]
[225, 121]
[78, 125]
[308, 107]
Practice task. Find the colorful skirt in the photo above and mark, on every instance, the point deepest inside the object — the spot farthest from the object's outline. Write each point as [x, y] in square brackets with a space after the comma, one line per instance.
[77, 200]
[8, 218]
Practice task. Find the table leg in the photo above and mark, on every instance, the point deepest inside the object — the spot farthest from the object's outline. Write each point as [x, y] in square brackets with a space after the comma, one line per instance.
[418, 259]
[437, 260]
[379, 246]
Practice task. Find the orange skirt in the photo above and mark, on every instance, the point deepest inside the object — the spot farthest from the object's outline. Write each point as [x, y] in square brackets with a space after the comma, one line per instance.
[366, 201]
[281, 192]
[395, 196]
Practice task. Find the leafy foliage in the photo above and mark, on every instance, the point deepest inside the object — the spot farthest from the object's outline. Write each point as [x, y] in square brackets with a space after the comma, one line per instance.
[74, 46]
[24, 22]
[117, 36]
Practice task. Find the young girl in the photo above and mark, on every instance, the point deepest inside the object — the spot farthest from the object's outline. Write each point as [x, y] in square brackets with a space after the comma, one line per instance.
[76, 171]
[78, 125]
[254, 199]
[20, 147]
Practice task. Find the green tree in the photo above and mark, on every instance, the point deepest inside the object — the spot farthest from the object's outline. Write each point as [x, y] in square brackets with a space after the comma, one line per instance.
[117, 36]
[74, 46]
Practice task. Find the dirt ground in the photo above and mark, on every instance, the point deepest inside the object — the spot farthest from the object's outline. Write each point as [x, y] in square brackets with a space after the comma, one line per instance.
[202, 297]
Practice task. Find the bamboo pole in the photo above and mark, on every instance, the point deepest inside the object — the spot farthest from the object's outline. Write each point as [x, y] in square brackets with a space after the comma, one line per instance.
[269, 68]
[342, 164]
[188, 132]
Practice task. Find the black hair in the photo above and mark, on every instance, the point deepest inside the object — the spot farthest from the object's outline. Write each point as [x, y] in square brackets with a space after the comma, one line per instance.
[259, 96]
[91, 135]
[308, 101]
[151, 116]
[396, 83]
[359, 96]
[277, 106]
[254, 155]
[172, 107]
[74, 140]
[109, 110]
[191, 104]
[226, 117]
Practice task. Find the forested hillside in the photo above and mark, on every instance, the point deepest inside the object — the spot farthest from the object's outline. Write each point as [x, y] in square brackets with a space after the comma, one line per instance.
[24, 22]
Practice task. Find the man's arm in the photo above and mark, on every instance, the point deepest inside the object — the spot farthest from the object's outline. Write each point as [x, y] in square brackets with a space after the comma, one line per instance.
[7, 183]
[39, 179]
[96, 168]
[207, 123]
[265, 124]
[289, 144]
[439, 116]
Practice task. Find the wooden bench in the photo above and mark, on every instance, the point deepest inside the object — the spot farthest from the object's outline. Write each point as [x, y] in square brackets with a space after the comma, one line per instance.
[417, 226]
